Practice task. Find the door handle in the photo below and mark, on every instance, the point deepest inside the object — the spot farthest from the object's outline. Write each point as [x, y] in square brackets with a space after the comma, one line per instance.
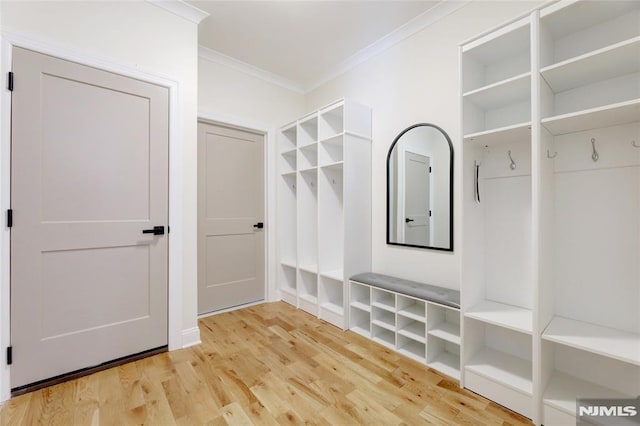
[156, 230]
[259, 225]
[407, 220]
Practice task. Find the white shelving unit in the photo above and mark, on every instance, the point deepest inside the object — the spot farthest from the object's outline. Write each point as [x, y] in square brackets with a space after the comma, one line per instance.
[550, 282]
[326, 165]
[421, 330]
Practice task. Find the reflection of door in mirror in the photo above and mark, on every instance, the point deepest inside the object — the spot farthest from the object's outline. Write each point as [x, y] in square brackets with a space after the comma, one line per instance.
[416, 199]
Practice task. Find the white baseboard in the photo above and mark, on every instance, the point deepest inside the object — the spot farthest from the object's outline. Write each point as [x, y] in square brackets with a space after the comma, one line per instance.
[190, 337]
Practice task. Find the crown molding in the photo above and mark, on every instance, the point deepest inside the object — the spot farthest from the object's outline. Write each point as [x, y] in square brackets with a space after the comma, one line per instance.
[417, 24]
[181, 9]
[222, 59]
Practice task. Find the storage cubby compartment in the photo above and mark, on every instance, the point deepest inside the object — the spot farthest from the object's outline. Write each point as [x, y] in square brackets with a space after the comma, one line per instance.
[308, 221]
[383, 336]
[331, 121]
[443, 356]
[288, 138]
[360, 297]
[444, 323]
[499, 366]
[308, 130]
[331, 300]
[499, 270]
[590, 66]
[287, 219]
[582, 28]
[331, 220]
[412, 329]
[569, 374]
[360, 321]
[288, 161]
[288, 288]
[414, 309]
[383, 299]
[308, 156]
[412, 348]
[308, 291]
[496, 59]
[383, 318]
[331, 151]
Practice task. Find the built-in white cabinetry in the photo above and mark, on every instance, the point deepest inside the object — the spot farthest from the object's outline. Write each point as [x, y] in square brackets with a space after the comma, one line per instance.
[550, 281]
[324, 206]
[421, 330]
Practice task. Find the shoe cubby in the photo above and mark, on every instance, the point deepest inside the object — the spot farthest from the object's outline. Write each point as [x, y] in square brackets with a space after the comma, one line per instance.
[360, 320]
[308, 291]
[444, 356]
[383, 335]
[412, 348]
[288, 286]
[331, 300]
[383, 300]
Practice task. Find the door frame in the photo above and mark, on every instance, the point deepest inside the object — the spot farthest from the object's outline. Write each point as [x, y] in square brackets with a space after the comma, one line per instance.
[271, 291]
[177, 338]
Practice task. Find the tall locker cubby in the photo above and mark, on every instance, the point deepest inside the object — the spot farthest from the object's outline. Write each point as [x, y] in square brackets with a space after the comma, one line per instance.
[550, 280]
[324, 208]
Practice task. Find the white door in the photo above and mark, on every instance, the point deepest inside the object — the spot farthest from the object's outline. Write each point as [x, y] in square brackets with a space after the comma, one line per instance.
[417, 195]
[231, 247]
[89, 174]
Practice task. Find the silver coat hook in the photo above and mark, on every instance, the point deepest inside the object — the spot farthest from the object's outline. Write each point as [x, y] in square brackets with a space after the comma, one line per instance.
[595, 156]
[513, 163]
[634, 144]
[555, 154]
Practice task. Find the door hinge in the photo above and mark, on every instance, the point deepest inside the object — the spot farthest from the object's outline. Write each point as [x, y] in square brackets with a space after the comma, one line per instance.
[9, 355]
[10, 81]
[9, 218]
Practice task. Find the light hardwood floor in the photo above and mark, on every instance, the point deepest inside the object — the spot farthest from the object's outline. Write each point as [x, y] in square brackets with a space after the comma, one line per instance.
[265, 365]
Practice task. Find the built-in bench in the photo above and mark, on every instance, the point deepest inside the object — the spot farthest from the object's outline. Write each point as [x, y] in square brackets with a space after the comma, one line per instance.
[418, 320]
[431, 293]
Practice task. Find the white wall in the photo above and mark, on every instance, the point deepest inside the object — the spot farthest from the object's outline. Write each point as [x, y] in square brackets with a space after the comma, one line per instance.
[416, 81]
[136, 35]
[224, 91]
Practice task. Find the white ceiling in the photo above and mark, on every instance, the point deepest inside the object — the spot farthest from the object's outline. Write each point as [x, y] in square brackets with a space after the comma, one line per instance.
[303, 42]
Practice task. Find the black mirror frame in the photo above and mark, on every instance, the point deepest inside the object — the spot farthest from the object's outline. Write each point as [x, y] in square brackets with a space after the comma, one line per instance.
[450, 248]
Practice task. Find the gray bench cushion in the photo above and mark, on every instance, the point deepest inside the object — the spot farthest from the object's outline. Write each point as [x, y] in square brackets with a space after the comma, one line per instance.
[432, 293]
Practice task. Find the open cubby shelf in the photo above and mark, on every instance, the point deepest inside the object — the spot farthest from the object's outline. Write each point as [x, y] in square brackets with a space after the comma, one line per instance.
[549, 281]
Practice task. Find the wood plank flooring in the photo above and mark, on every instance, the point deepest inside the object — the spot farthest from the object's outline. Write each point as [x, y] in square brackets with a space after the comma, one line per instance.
[265, 365]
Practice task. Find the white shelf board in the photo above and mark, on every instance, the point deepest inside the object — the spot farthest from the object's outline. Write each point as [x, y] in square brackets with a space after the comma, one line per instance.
[563, 389]
[362, 306]
[384, 325]
[503, 93]
[384, 343]
[413, 332]
[333, 139]
[446, 363]
[289, 152]
[408, 353]
[337, 275]
[291, 173]
[446, 331]
[290, 291]
[502, 315]
[414, 312]
[510, 371]
[383, 306]
[309, 268]
[309, 298]
[335, 165]
[332, 307]
[308, 170]
[594, 118]
[515, 132]
[608, 342]
[613, 61]
[288, 263]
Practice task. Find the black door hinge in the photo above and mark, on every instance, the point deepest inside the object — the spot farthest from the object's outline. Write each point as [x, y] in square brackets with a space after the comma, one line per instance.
[9, 218]
[10, 81]
[9, 355]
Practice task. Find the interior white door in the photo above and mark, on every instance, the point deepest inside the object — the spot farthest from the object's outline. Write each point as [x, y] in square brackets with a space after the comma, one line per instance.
[417, 185]
[89, 174]
[231, 249]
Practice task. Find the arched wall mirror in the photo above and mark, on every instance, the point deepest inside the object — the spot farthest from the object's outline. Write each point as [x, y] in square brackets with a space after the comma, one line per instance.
[420, 188]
